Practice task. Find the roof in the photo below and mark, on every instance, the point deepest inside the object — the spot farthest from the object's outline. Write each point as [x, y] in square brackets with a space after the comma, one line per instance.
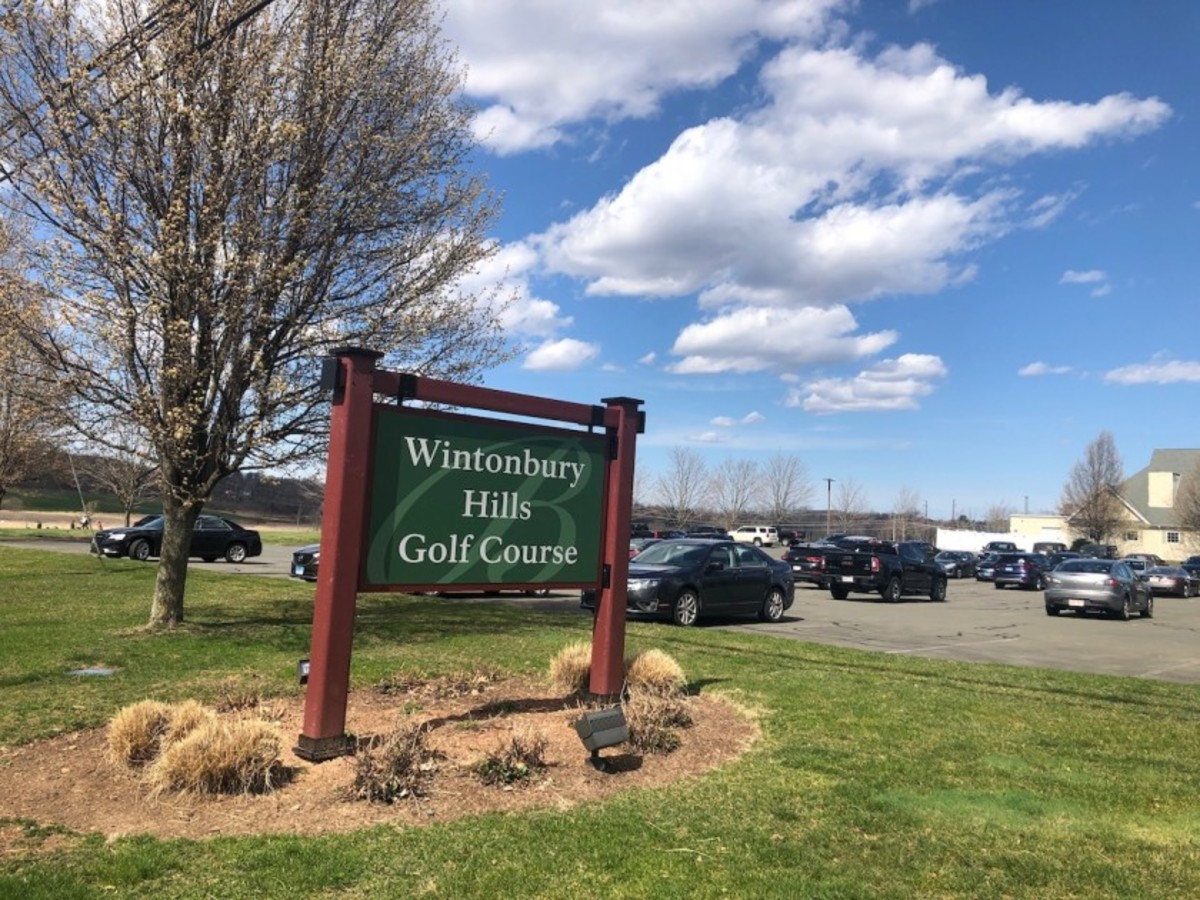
[1136, 488]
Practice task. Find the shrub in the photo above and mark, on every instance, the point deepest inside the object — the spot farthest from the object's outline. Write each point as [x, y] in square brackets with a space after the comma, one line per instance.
[393, 766]
[242, 756]
[140, 733]
[136, 732]
[653, 720]
[571, 667]
[185, 718]
[518, 760]
[655, 672]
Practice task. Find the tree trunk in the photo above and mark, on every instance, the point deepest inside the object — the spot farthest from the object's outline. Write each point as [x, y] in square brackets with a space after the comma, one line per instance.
[169, 583]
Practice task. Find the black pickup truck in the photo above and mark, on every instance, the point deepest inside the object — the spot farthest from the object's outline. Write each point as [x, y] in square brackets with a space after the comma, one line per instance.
[888, 569]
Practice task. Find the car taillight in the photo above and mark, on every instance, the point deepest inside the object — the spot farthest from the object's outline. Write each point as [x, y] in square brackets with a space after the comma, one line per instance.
[874, 563]
[1111, 582]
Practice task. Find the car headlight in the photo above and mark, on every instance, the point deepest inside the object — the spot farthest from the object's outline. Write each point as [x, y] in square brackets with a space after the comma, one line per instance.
[642, 584]
[117, 537]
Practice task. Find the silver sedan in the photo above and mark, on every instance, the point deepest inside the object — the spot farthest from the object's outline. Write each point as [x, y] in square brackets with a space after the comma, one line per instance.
[1098, 585]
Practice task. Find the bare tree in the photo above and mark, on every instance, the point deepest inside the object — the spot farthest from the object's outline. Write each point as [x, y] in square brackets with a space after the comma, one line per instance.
[786, 486]
[735, 490]
[1091, 498]
[1187, 504]
[683, 488]
[849, 504]
[130, 476]
[233, 191]
[905, 510]
[999, 517]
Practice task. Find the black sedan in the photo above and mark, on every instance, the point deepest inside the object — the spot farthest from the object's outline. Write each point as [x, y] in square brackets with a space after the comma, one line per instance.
[687, 579]
[956, 563]
[213, 537]
[1173, 580]
[305, 562]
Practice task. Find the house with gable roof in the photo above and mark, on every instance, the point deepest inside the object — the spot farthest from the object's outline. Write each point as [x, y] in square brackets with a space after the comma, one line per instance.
[1152, 518]
[1150, 497]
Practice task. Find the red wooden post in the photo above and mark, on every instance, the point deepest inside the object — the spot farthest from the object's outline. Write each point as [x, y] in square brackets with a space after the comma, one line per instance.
[608, 631]
[342, 525]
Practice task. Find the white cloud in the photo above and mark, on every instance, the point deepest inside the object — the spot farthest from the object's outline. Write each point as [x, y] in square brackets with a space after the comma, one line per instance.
[754, 339]
[504, 277]
[709, 437]
[837, 190]
[1091, 276]
[540, 66]
[1157, 372]
[892, 384]
[1103, 291]
[560, 356]
[648, 359]
[1041, 368]
[722, 422]
[753, 418]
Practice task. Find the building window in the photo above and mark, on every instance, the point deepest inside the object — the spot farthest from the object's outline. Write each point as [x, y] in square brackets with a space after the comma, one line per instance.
[1131, 536]
[1172, 537]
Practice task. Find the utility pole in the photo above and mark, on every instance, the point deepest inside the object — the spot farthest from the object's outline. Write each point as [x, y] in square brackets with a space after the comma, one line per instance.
[828, 503]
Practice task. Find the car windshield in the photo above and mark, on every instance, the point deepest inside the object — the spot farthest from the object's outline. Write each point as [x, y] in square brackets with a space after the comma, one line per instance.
[671, 553]
[1093, 566]
[153, 522]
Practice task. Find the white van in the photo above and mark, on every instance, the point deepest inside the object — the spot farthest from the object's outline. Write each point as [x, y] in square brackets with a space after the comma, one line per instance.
[759, 535]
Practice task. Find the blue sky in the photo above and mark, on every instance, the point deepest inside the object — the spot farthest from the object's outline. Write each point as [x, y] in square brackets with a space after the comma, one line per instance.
[927, 246]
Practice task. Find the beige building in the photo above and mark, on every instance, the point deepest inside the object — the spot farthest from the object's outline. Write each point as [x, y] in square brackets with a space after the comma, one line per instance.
[1152, 521]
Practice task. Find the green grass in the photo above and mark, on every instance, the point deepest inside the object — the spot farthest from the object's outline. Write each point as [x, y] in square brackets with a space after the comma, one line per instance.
[876, 776]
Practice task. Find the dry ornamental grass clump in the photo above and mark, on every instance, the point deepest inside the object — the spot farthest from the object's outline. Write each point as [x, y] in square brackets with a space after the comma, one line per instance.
[242, 756]
[135, 733]
[394, 766]
[570, 668]
[655, 672]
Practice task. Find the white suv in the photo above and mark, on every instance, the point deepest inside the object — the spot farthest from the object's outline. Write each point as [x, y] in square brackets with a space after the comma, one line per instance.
[759, 535]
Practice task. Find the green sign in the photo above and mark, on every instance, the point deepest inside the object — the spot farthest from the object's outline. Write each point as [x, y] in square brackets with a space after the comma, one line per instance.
[470, 501]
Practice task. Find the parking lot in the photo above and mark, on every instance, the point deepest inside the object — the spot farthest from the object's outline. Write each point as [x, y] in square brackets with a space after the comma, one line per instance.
[977, 623]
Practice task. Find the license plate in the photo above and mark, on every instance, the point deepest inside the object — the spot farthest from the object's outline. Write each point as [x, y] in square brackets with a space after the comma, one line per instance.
[1075, 603]
[297, 569]
[797, 569]
[849, 578]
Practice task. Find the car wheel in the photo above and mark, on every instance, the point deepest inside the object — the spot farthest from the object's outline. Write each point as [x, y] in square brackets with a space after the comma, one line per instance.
[839, 592]
[1124, 613]
[772, 608]
[1148, 612]
[686, 610]
[139, 550]
[1051, 610]
[758, 542]
[997, 585]
[937, 590]
[1039, 583]
[235, 553]
[892, 592]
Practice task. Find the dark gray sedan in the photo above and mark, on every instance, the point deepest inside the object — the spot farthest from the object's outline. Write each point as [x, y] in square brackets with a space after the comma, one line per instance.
[1108, 586]
[1174, 580]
